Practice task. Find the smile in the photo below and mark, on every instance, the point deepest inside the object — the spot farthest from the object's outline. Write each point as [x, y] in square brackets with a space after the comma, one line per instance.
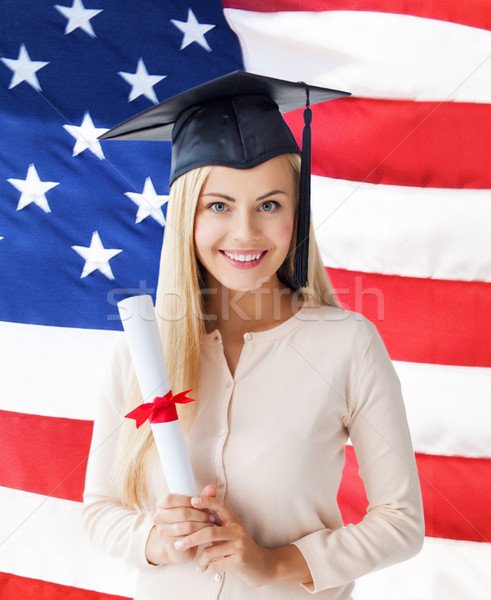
[243, 260]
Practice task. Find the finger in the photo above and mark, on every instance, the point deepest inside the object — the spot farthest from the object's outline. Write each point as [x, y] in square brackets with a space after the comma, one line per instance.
[207, 535]
[215, 553]
[178, 530]
[180, 515]
[224, 513]
[209, 491]
[173, 501]
[219, 565]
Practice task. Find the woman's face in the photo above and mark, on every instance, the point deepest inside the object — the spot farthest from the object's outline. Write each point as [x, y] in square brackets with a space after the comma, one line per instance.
[244, 223]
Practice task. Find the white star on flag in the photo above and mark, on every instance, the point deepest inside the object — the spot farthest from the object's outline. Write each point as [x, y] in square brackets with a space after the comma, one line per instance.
[78, 17]
[96, 257]
[142, 83]
[24, 69]
[33, 189]
[149, 203]
[193, 31]
[86, 135]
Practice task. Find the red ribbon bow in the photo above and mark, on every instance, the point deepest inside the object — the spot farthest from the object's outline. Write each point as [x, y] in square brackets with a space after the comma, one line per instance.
[161, 410]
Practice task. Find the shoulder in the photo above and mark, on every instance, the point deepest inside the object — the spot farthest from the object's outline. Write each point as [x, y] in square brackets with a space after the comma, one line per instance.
[338, 325]
[333, 340]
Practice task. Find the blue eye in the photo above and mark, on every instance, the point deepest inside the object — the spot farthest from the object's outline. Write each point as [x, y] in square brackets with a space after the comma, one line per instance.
[218, 206]
[269, 206]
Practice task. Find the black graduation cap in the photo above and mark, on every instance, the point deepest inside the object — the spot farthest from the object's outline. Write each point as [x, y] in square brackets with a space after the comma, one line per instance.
[235, 121]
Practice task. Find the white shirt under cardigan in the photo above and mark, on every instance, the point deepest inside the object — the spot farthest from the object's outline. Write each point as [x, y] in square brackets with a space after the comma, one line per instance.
[272, 439]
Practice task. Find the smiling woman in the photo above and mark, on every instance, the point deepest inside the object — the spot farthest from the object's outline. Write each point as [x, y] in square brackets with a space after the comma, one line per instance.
[281, 376]
[244, 224]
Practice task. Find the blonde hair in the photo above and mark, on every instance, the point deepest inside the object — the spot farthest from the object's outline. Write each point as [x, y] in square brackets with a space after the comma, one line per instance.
[180, 312]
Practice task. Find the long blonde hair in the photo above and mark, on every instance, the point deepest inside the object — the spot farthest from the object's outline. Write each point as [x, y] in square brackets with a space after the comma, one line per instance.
[180, 312]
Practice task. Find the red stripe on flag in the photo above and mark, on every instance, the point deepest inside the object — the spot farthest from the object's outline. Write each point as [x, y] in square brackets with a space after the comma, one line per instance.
[475, 13]
[422, 320]
[44, 455]
[456, 494]
[451, 486]
[13, 587]
[400, 142]
[455, 490]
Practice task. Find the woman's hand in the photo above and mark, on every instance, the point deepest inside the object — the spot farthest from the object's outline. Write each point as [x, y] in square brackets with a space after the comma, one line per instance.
[233, 549]
[174, 518]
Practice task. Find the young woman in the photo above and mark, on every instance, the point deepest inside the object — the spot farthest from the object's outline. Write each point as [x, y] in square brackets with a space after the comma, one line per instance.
[282, 377]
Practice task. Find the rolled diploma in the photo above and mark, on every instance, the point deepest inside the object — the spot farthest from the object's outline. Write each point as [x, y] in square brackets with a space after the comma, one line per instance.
[142, 334]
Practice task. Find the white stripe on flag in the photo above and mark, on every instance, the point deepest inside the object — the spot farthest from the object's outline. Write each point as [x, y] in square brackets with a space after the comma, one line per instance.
[444, 569]
[369, 54]
[445, 408]
[42, 538]
[60, 371]
[48, 543]
[60, 387]
[407, 231]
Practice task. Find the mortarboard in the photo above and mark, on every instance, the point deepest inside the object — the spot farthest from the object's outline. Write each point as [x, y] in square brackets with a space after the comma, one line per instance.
[235, 121]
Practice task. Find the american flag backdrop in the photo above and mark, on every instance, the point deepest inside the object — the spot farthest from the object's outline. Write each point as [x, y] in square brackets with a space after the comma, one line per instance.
[401, 204]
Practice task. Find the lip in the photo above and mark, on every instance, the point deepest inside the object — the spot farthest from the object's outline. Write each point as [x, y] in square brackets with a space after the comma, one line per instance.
[245, 264]
[242, 252]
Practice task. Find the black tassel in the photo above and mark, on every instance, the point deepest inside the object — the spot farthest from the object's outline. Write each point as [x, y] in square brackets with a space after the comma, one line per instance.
[301, 261]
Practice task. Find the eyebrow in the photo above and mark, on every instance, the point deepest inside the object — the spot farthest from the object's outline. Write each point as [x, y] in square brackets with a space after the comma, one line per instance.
[230, 199]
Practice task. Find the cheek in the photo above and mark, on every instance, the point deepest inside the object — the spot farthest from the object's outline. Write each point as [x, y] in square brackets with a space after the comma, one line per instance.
[206, 233]
[284, 232]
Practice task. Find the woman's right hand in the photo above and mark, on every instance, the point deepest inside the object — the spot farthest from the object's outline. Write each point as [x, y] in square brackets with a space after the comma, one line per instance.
[175, 518]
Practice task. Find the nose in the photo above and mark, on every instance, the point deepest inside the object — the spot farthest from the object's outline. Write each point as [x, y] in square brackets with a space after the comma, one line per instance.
[244, 226]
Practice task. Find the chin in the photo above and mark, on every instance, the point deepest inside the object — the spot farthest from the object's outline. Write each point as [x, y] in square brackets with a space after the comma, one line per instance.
[249, 285]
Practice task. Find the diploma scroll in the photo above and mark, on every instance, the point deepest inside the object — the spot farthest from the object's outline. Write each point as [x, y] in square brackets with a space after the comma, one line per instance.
[143, 337]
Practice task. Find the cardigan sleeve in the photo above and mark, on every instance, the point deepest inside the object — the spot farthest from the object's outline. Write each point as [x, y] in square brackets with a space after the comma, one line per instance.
[393, 527]
[121, 532]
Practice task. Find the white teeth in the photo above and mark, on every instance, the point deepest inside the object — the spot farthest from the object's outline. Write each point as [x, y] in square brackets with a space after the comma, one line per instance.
[243, 257]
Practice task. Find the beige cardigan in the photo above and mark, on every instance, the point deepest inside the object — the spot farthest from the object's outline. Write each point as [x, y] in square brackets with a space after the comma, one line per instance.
[272, 439]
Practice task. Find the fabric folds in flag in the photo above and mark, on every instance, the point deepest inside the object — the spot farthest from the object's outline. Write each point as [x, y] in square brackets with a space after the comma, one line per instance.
[400, 204]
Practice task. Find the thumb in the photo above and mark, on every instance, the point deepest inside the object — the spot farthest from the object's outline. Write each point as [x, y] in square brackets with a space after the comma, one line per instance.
[209, 491]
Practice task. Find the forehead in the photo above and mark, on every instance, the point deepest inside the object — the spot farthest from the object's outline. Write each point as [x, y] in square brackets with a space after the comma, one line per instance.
[274, 174]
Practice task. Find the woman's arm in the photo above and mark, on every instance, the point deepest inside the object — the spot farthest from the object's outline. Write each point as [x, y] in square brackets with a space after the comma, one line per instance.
[133, 536]
[393, 528]
[117, 530]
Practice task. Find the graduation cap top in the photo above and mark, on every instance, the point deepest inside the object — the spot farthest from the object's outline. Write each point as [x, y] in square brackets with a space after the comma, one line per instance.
[235, 121]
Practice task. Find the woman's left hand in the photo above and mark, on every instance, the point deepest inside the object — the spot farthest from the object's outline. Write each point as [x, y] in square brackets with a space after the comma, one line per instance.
[232, 548]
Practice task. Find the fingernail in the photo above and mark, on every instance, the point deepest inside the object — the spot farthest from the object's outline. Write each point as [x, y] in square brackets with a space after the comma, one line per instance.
[196, 500]
[179, 545]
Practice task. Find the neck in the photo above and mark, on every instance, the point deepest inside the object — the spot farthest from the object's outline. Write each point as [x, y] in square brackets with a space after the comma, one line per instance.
[236, 312]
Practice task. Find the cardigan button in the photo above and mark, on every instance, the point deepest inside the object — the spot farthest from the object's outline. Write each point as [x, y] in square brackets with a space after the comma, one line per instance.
[247, 337]
[220, 483]
[218, 577]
